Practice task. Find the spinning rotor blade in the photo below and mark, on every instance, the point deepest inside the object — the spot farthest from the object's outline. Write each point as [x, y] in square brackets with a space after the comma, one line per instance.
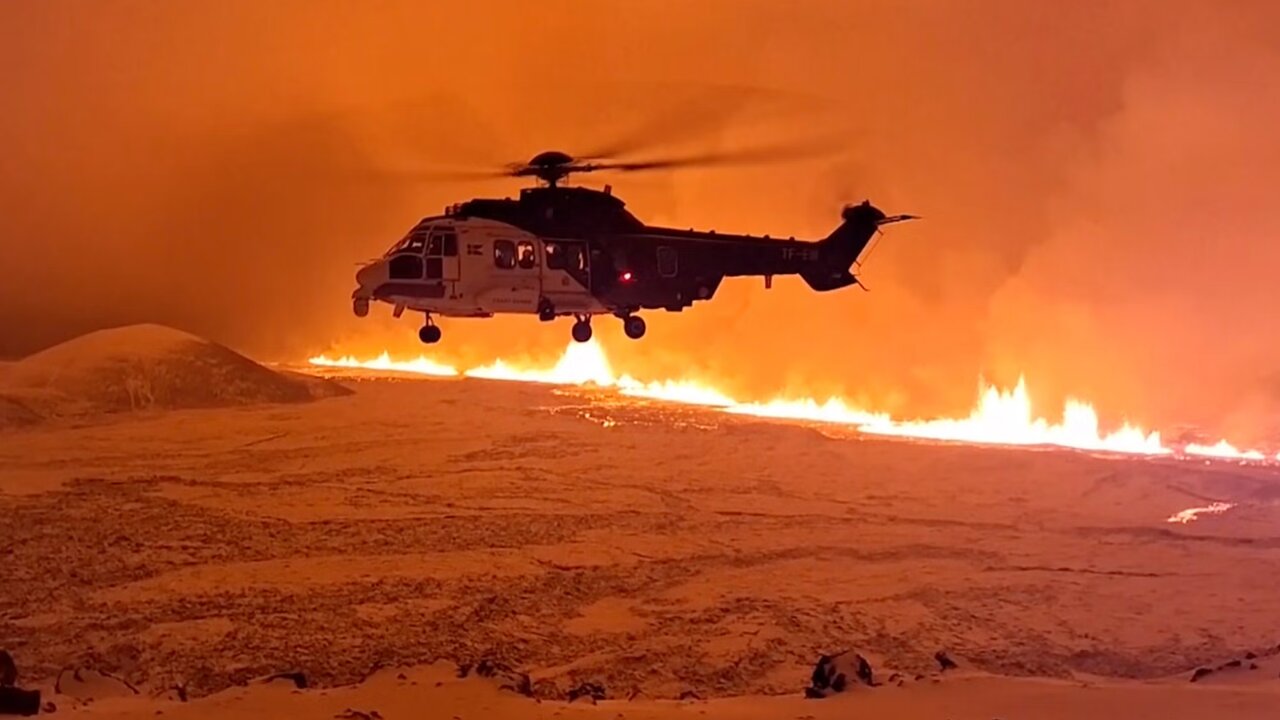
[690, 114]
[743, 157]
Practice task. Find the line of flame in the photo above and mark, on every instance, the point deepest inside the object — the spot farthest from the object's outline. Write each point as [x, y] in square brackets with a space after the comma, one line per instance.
[1001, 417]
[418, 366]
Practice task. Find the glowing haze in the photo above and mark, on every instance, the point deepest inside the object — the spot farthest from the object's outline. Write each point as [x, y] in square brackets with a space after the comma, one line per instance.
[1097, 179]
[1000, 417]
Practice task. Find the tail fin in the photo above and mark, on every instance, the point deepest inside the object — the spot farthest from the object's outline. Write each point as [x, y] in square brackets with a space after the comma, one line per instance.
[842, 247]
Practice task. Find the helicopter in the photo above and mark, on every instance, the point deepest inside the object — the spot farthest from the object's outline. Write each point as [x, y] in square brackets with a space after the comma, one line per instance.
[561, 250]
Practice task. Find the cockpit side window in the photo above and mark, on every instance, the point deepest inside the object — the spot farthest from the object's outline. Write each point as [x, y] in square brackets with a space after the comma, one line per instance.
[504, 254]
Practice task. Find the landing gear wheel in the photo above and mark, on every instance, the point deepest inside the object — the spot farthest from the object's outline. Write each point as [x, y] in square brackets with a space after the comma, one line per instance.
[582, 330]
[360, 306]
[633, 326]
[429, 334]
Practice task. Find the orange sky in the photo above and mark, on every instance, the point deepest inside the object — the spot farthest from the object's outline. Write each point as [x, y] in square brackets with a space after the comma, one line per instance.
[1096, 178]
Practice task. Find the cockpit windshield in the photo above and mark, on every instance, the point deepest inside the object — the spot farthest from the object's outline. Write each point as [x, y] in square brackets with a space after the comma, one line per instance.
[414, 242]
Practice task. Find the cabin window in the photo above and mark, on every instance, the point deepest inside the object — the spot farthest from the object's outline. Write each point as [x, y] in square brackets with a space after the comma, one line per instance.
[526, 255]
[504, 254]
[667, 266]
[450, 242]
[566, 256]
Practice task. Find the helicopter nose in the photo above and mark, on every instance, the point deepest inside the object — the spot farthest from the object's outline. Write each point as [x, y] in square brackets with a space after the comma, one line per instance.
[372, 275]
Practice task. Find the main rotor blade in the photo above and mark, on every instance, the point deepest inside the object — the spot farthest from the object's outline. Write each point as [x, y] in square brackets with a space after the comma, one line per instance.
[426, 176]
[775, 154]
[698, 112]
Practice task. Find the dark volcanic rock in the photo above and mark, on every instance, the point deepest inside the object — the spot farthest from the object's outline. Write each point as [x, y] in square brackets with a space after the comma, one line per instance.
[836, 673]
[1201, 672]
[8, 669]
[296, 677]
[944, 661]
[350, 714]
[546, 690]
[588, 690]
[14, 701]
[508, 678]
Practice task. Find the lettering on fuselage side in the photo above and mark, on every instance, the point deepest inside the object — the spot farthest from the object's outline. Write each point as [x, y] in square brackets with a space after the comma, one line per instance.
[475, 248]
[806, 254]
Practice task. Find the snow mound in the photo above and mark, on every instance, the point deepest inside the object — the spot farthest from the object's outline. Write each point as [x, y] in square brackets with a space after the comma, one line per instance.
[15, 413]
[143, 367]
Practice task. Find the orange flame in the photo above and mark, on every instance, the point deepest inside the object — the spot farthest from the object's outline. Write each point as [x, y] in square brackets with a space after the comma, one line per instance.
[1001, 417]
[420, 366]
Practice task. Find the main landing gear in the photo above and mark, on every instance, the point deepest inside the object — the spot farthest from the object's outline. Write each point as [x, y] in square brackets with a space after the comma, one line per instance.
[633, 326]
[582, 328]
[429, 333]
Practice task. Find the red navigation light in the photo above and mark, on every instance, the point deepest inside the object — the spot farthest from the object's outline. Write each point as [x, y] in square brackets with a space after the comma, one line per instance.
[625, 276]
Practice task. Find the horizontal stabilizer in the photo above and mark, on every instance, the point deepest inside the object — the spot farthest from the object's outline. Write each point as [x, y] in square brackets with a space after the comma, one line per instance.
[829, 280]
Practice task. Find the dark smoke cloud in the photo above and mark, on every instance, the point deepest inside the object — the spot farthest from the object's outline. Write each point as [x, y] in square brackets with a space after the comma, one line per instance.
[1095, 177]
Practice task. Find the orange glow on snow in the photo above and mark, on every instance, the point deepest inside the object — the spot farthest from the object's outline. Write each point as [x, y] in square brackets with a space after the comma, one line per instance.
[1182, 517]
[1000, 417]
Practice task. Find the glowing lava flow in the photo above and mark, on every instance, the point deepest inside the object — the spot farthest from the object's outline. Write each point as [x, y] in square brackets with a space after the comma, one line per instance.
[586, 364]
[1005, 418]
[419, 366]
[1224, 450]
[1001, 417]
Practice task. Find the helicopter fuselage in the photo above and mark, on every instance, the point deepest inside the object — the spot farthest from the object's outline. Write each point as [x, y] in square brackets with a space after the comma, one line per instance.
[572, 251]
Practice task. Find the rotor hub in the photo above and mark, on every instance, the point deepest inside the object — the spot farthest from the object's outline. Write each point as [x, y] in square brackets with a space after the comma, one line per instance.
[550, 166]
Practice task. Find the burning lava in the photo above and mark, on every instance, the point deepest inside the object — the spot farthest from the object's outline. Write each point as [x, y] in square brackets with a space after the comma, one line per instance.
[1000, 417]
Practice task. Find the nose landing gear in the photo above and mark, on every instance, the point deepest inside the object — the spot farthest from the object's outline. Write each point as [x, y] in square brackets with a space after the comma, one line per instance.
[360, 306]
[429, 333]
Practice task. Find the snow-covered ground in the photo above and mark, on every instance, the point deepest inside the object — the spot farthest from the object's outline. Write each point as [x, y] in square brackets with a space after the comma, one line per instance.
[654, 549]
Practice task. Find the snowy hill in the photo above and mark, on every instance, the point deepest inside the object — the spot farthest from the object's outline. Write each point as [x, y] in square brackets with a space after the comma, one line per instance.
[143, 367]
